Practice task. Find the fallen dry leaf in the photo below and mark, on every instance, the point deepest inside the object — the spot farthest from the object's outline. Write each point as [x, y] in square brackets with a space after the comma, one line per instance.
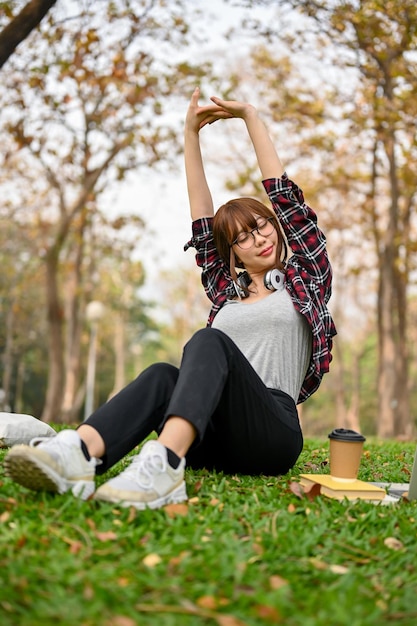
[21, 542]
[300, 491]
[393, 543]
[318, 563]
[108, 535]
[338, 569]
[207, 602]
[88, 592]
[277, 582]
[75, 547]
[176, 560]
[296, 489]
[173, 510]
[151, 560]
[197, 486]
[313, 492]
[121, 620]
[268, 613]
[132, 514]
[90, 523]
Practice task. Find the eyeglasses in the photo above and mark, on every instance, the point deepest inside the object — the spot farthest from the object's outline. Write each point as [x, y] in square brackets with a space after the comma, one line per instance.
[246, 240]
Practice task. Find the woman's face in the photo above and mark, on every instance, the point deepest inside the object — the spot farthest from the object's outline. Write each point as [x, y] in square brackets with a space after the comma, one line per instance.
[256, 248]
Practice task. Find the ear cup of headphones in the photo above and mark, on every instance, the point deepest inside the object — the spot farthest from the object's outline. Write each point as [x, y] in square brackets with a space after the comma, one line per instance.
[274, 280]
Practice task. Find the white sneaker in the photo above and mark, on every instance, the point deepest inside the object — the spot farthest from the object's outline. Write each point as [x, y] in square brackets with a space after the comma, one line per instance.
[54, 464]
[149, 481]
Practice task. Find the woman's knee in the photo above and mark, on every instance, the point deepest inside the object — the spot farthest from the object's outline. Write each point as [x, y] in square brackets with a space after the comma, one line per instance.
[160, 372]
[207, 335]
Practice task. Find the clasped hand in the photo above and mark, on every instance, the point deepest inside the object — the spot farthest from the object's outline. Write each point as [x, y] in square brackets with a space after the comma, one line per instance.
[199, 116]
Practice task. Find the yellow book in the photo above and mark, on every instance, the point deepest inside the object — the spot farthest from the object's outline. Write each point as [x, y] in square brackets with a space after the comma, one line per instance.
[352, 490]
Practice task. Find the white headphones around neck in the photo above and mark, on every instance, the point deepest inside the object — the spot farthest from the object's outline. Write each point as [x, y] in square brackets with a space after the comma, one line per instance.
[273, 281]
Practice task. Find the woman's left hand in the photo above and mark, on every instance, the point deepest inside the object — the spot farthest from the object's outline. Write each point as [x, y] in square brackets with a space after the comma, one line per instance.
[198, 116]
[235, 109]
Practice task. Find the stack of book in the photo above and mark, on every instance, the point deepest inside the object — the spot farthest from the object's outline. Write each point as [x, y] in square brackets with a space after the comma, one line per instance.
[352, 490]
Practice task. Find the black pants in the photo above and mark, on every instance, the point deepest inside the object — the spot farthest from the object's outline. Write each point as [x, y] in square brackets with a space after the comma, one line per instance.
[242, 425]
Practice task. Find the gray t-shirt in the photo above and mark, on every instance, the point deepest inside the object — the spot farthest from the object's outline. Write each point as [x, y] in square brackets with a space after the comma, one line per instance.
[273, 336]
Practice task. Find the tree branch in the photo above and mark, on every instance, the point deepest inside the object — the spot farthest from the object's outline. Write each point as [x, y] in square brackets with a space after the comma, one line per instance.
[20, 27]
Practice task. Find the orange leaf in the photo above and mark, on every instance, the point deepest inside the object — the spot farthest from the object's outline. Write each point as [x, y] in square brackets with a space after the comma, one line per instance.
[173, 510]
[75, 547]
[176, 560]
[318, 563]
[268, 613]
[207, 602]
[90, 523]
[121, 620]
[313, 492]
[296, 489]
[277, 582]
[106, 536]
[197, 486]
[229, 620]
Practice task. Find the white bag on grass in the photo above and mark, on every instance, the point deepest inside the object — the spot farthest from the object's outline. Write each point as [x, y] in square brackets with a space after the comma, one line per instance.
[19, 428]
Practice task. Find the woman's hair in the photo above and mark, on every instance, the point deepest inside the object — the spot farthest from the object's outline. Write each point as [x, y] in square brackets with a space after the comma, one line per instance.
[240, 215]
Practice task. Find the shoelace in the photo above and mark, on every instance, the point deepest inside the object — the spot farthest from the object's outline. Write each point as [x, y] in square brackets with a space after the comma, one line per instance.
[142, 469]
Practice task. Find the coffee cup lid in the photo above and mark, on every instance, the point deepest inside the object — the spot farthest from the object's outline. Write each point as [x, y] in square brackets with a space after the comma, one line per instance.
[344, 434]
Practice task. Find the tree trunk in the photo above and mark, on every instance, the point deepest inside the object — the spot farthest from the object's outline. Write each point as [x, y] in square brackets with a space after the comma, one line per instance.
[394, 413]
[8, 354]
[387, 386]
[352, 415]
[340, 386]
[53, 400]
[70, 403]
[404, 422]
[20, 381]
[120, 356]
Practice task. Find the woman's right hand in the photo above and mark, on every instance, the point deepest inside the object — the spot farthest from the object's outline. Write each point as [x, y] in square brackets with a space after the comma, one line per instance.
[198, 116]
[241, 110]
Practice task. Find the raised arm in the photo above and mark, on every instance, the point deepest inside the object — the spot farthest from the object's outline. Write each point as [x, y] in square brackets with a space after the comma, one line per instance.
[201, 203]
[268, 160]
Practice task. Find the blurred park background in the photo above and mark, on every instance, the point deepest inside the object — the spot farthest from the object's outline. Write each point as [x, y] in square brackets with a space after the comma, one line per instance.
[94, 283]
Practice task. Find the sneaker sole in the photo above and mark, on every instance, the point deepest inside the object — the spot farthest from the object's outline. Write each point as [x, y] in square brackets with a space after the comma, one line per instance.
[179, 494]
[33, 474]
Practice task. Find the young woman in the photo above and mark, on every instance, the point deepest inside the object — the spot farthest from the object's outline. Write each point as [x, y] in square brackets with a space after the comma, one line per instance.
[231, 405]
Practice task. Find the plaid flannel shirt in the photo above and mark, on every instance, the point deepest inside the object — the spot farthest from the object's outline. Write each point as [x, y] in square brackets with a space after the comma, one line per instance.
[308, 273]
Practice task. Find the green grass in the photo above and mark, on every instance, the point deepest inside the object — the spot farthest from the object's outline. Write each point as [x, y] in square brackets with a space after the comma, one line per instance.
[244, 551]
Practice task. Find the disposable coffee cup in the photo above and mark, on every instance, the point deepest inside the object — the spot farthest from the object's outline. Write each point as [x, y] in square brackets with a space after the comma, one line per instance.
[346, 448]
